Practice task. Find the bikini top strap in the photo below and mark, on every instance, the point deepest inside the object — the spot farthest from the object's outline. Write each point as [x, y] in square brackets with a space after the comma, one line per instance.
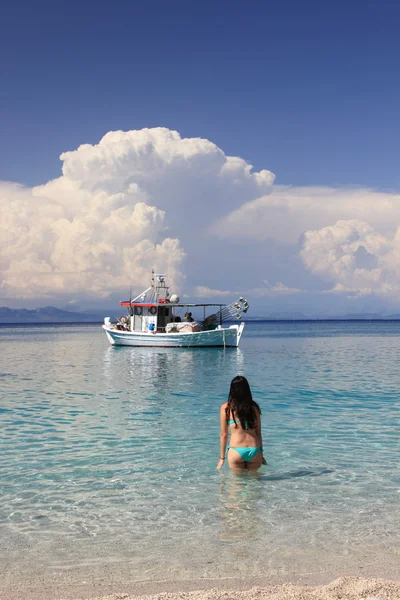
[233, 422]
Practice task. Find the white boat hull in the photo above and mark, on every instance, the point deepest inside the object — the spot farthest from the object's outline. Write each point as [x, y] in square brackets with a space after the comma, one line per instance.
[228, 337]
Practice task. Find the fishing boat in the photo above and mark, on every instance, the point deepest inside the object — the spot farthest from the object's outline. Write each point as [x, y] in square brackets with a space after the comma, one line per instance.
[156, 318]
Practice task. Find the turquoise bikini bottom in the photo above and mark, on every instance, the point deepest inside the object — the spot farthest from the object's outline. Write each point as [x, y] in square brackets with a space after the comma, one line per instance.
[246, 453]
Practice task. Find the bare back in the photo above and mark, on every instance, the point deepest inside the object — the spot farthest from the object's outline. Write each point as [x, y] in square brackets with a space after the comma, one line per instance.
[244, 437]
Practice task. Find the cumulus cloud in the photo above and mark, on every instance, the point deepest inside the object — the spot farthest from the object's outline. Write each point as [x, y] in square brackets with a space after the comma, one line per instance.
[133, 201]
[353, 257]
[287, 212]
[149, 198]
[347, 238]
[50, 251]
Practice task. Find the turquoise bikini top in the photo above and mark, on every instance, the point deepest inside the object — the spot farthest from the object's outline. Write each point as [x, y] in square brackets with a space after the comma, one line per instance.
[233, 422]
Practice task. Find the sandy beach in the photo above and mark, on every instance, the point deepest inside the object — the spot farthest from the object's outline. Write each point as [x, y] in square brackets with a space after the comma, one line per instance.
[330, 578]
[75, 573]
[344, 588]
[349, 588]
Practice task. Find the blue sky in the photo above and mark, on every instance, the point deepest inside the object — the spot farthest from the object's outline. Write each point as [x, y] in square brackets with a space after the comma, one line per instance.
[307, 92]
[307, 89]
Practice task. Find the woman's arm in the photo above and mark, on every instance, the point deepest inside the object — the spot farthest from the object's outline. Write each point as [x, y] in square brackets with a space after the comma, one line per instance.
[223, 435]
[259, 435]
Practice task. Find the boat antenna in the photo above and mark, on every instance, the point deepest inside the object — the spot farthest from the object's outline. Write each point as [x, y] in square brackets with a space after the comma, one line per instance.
[130, 297]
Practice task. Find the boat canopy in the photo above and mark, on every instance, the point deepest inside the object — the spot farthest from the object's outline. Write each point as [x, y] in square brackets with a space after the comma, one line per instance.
[144, 304]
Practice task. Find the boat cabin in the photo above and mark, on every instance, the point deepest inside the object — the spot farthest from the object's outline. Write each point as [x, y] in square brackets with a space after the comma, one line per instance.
[164, 317]
[145, 317]
[156, 311]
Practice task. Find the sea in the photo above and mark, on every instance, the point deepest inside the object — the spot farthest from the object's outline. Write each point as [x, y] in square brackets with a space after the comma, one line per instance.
[108, 455]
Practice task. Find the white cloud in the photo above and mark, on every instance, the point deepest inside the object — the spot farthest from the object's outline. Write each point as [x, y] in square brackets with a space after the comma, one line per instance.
[277, 289]
[202, 291]
[48, 250]
[121, 207]
[354, 258]
[347, 238]
[286, 212]
[144, 199]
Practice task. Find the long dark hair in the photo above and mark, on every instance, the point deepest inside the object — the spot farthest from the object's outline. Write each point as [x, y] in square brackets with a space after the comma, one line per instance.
[240, 401]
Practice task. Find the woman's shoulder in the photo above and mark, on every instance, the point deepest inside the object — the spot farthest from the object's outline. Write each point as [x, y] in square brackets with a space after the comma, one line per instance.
[224, 405]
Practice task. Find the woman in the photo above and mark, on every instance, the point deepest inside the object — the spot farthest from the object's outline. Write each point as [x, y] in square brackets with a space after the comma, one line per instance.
[242, 416]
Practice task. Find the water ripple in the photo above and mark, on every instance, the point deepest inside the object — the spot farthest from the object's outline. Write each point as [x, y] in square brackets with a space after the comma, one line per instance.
[101, 443]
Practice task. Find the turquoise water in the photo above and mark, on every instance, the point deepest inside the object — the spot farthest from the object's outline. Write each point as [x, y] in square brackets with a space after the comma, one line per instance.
[108, 454]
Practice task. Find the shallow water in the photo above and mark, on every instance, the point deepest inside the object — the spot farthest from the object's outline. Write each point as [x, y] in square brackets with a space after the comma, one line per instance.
[108, 454]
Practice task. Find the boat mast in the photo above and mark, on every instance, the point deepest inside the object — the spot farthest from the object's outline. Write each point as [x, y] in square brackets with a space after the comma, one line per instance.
[159, 286]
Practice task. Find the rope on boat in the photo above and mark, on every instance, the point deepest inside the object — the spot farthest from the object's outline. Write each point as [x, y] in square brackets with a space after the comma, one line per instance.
[231, 312]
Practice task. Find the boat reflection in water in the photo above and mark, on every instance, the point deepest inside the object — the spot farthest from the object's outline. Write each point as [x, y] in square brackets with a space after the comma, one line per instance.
[146, 371]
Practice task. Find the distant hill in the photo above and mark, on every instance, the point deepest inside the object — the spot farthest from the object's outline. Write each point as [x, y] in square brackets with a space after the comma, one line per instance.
[286, 316]
[296, 316]
[361, 317]
[50, 314]
[47, 314]
[279, 316]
